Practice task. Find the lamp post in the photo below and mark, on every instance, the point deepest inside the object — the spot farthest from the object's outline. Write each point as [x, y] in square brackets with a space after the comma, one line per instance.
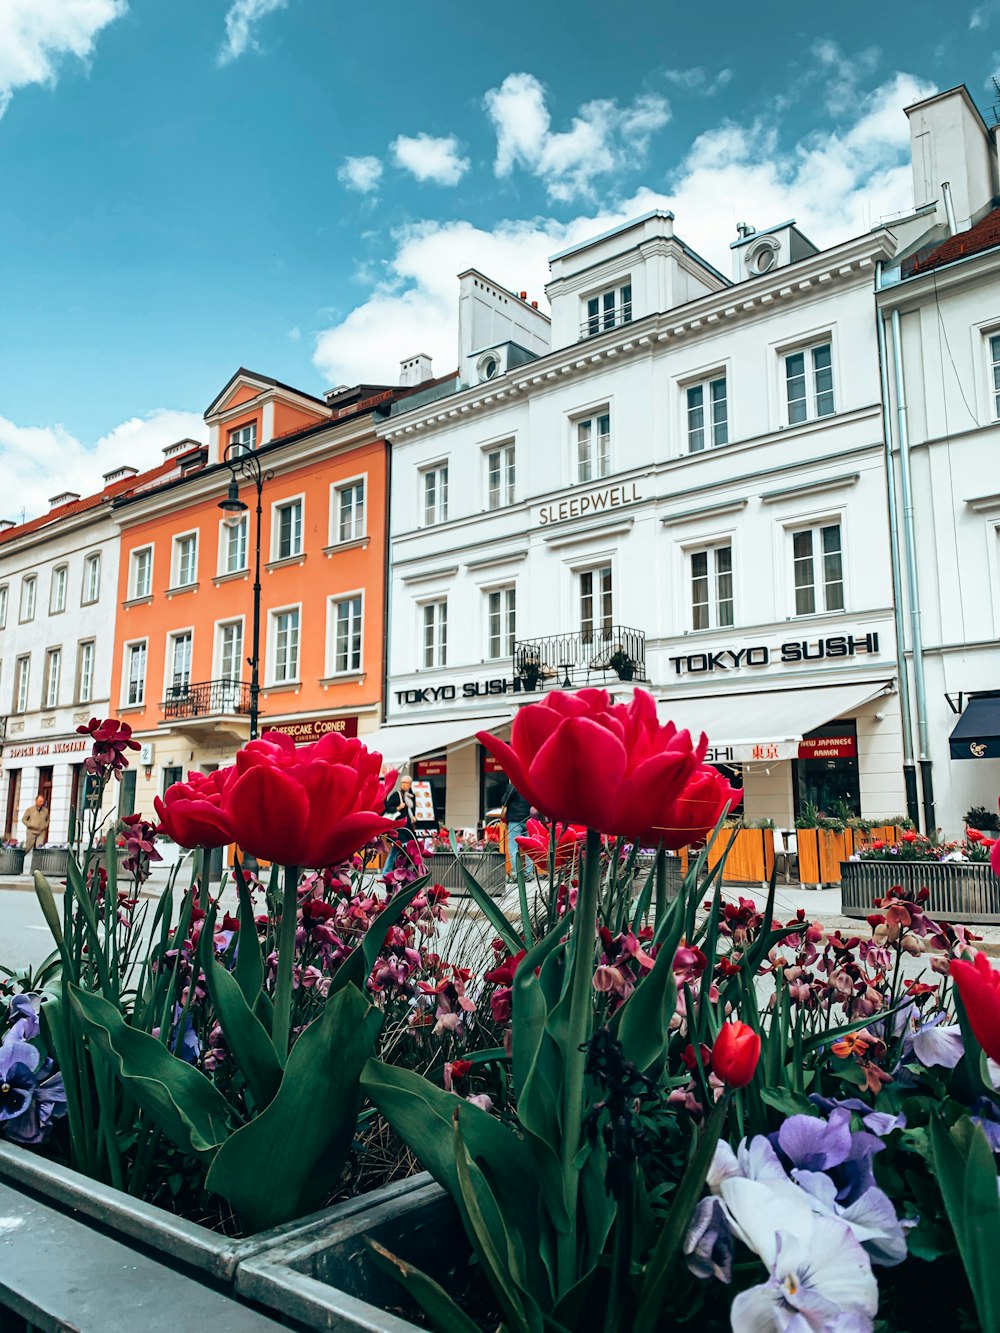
[247, 464]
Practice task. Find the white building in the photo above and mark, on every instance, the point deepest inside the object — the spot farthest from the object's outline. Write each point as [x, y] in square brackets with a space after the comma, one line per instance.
[58, 595]
[939, 303]
[688, 485]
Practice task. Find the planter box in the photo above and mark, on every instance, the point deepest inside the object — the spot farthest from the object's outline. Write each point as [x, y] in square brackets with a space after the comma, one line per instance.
[749, 854]
[487, 867]
[49, 860]
[162, 1233]
[328, 1280]
[959, 891]
[12, 860]
[821, 853]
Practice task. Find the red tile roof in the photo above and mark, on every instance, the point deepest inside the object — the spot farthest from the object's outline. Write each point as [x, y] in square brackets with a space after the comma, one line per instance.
[983, 236]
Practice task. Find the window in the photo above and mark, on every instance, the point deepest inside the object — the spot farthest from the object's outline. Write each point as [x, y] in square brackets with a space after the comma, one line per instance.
[500, 476]
[142, 573]
[135, 673]
[242, 440]
[53, 666]
[712, 587]
[286, 645]
[234, 544]
[435, 618]
[593, 447]
[172, 773]
[288, 530]
[57, 590]
[185, 560]
[29, 588]
[436, 495]
[809, 383]
[3, 606]
[350, 511]
[22, 672]
[818, 567]
[91, 578]
[85, 672]
[179, 666]
[608, 309]
[995, 372]
[231, 651]
[501, 607]
[347, 634]
[707, 414]
[595, 602]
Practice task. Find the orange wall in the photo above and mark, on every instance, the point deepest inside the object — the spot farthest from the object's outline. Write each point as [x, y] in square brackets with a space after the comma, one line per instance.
[308, 584]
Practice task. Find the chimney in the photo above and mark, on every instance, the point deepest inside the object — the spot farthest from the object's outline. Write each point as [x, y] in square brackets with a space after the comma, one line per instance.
[180, 447]
[6, 524]
[63, 498]
[949, 141]
[415, 370]
[119, 474]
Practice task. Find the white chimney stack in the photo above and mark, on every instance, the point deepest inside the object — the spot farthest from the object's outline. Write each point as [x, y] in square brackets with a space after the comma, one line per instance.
[415, 370]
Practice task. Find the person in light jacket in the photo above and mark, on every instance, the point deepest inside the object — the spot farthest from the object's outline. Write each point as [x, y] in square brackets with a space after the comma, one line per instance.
[36, 820]
[402, 801]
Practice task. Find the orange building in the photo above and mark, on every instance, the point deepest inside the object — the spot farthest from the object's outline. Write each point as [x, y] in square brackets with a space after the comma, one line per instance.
[183, 631]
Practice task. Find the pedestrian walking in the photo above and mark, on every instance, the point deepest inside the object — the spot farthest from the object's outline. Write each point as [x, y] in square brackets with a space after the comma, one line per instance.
[401, 803]
[515, 814]
[36, 820]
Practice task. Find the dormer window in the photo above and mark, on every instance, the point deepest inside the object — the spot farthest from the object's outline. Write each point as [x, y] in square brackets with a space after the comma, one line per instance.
[607, 310]
[242, 440]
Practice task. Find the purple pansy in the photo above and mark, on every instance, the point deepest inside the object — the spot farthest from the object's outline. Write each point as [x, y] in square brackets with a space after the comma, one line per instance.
[709, 1241]
[876, 1122]
[30, 1093]
[23, 1016]
[813, 1144]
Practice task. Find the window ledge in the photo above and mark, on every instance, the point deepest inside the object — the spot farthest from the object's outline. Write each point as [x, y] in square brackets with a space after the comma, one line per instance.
[811, 488]
[137, 601]
[356, 544]
[182, 588]
[132, 708]
[286, 561]
[345, 678]
[231, 578]
[282, 687]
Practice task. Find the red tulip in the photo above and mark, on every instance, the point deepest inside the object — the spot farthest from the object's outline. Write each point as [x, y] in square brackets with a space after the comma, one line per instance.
[581, 759]
[735, 1054]
[979, 986]
[191, 812]
[536, 845]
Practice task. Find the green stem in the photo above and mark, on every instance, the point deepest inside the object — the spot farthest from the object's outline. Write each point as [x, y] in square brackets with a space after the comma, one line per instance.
[581, 1011]
[660, 901]
[286, 952]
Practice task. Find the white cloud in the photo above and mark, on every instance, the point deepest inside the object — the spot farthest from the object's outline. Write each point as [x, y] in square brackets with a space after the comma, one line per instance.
[35, 35]
[982, 14]
[833, 183]
[696, 79]
[842, 74]
[360, 173]
[603, 138]
[241, 20]
[430, 159]
[38, 462]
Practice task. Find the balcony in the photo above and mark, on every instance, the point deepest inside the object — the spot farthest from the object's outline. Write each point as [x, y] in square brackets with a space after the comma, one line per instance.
[209, 705]
[602, 656]
[610, 317]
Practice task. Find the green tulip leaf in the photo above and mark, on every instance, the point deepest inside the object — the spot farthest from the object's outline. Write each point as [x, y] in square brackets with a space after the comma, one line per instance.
[304, 1135]
[182, 1102]
[967, 1176]
[445, 1315]
[643, 1021]
[484, 901]
[249, 969]
[245, 1035]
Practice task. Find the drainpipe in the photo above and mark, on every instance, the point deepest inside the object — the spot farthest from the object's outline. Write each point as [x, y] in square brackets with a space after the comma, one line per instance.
[906, 720]
[949, 208]
[916, 634]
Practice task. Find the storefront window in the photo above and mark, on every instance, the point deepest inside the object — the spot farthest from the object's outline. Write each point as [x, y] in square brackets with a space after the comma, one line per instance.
[826, 772]
[492, 785]
[434, 771]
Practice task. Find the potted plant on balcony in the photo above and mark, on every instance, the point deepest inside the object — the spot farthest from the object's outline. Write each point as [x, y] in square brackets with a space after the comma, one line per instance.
[622, 664]
[530, 671]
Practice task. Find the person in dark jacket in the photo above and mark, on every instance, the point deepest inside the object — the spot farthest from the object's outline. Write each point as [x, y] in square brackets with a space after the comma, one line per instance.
[516, 812]
[401, 801]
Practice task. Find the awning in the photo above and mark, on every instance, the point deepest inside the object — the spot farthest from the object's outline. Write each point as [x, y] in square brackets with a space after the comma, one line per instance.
[399, 742]
[765, 724]
[977, 731]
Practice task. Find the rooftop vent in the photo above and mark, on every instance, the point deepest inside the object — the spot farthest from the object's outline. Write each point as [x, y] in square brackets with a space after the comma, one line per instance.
[6, 524]
[119, 474]
[331, 394]
[415, 370]
[180, 447]
[63, 498]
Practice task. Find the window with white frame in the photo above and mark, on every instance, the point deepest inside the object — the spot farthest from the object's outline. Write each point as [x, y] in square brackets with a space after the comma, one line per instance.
[501, 610]
[29, 593]
[593, 447]
[135, 673]
[242, 440]
[349, 511]
[91, 578]
[85, 672]
[346, 631]
[995, 372]
[500, 476]
[608, 309]
[231, 650]
[22, 674]
[435, 633]
[57, 590]
[287, 530]
[142, 573]
[809, 383]
[285, 638]
[707, 414]
[179, 664]
[818, 569]
[234, 545]
[185, 560]
[712, 587]
[436, 494]
[596, 608]
[53, 668]
[4, 597]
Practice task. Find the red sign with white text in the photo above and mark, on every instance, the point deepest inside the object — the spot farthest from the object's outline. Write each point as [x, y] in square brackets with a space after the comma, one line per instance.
[828, 747]
[311, 729]
[431, 768]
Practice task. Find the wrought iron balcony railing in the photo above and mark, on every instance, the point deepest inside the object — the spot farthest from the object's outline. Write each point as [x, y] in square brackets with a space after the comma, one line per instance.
[591, 657]
[610, 317]
[207, 698]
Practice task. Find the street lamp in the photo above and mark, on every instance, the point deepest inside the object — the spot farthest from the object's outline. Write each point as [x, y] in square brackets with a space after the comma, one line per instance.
[243, 463]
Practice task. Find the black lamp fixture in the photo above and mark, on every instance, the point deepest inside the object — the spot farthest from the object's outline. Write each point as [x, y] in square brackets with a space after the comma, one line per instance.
[232, 504]
[243, 463]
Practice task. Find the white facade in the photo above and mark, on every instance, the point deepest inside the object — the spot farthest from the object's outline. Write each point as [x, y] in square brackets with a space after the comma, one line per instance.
[56, 648]
[646, 501]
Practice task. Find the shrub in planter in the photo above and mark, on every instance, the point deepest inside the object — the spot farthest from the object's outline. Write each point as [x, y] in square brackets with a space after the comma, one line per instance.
[12, 860]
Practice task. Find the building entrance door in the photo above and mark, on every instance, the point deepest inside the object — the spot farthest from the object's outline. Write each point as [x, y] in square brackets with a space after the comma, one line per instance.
[13, 792]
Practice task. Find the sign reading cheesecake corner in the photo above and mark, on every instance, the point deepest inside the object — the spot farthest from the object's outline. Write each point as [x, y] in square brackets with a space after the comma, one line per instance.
[591, 502]
[308, 730]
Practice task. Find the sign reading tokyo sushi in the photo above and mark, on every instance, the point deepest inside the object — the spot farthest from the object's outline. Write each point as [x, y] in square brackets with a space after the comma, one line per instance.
[762, 655]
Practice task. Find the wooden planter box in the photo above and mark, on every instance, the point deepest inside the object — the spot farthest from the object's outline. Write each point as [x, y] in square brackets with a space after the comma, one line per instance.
[12, 860]
[959, 890]
[749, 854]
[50, 860]
[821, 853]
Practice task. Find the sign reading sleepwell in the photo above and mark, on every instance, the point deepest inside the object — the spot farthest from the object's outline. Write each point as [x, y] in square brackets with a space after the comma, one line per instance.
[592, 502]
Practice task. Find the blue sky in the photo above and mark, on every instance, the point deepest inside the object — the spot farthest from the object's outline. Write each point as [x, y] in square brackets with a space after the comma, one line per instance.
[292, 185]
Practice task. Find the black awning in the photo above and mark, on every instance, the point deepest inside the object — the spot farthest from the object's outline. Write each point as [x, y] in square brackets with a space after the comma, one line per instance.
[977, 732]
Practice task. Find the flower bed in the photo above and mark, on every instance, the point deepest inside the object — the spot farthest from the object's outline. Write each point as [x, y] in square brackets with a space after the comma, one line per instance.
[959, 890]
